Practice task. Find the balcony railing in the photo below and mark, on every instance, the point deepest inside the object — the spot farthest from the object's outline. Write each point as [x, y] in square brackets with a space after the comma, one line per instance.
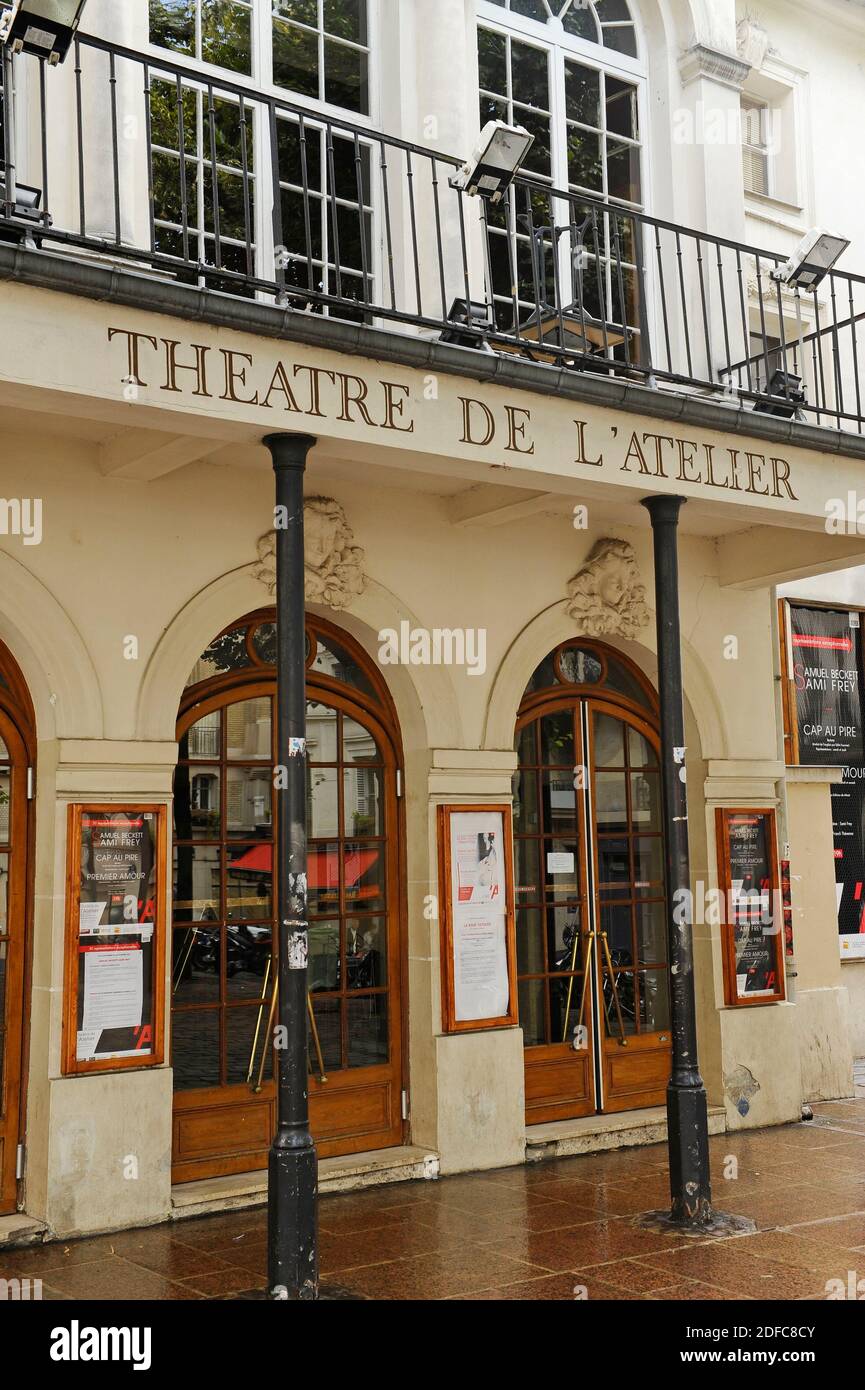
[212, 183]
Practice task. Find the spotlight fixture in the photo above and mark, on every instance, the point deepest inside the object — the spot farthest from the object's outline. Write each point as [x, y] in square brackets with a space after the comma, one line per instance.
[788, 396]
[496, 160]
[817, 253]
[465, 316]
[43, 27]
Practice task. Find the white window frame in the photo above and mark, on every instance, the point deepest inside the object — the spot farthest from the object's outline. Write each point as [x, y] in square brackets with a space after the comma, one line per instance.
[562, 47]
[260, 85]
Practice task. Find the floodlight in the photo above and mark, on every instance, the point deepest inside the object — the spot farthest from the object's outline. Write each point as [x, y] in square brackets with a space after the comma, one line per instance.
[495, 161]
[43, 27]
[817, 253]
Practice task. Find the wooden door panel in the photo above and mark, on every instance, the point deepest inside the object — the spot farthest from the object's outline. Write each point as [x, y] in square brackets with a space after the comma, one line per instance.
[636, 1076]
[14, 863]
[559, 1084]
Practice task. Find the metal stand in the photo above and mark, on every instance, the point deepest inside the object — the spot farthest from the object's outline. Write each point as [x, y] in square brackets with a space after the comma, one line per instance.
[292, 1243]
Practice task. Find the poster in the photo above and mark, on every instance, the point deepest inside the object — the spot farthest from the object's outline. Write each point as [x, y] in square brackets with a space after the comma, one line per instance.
[114, 917]
[848, 831]
[755, 932]
[479, 915]
[825, 668]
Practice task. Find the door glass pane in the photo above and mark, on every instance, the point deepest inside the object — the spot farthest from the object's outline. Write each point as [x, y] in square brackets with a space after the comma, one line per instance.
[5, 804]
[242, 1049]
[646, 800]
[609, 749]
[247, 726]
[620, 1022]
[249, 883]
[197, 802]
[526, 819]
[649, 864]
[640, 751]
[651, 933]
[248, 811]
[560, 801]
[323, 877]
[196, 883]
[614, 867]
[565, 999]
[328, 1015]
[611, 805]
[3, 954]
[564, 944]
[531, 1006]
[367, 1031]
[4, 892]
[561, 867]
[248, 953]
[196, 965]
[323, 956]
[557, 739]
[530, 942]
[322, 802]
[616, 922]
[363, 808]
[527, 746]
[321, 733]
[366, 952]
[202, 740]
[195, 1048]
[527, 870]
[654, 1001]
[364, 877]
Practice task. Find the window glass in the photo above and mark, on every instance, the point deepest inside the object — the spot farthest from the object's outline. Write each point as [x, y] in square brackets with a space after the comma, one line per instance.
[216, 31]
[321, 50]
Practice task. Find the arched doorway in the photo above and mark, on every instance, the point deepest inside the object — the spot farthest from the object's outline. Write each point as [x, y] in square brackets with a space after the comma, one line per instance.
[589, 858]
[17, 755]
[224, 903]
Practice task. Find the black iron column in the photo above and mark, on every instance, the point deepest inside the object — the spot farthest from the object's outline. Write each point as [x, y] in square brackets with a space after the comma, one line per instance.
[687, 1110]
[292, 1244]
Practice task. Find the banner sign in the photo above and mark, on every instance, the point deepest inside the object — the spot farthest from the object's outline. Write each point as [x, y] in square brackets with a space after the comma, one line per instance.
[115, 939]
[478, 931]
[825, 669]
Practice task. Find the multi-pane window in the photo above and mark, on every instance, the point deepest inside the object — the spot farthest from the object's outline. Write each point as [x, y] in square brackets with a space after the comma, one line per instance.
[756, 167]
[214, 31]
[321, 49]
[606, 22]
[584, 113]
[203, 202]
[326, 209]
[318, 48]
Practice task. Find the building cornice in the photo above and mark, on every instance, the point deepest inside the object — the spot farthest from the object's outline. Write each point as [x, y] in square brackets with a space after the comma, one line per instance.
[108, 283]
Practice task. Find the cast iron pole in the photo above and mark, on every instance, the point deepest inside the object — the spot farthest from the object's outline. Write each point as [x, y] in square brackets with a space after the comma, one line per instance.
[292, 1244]
[687, 1111]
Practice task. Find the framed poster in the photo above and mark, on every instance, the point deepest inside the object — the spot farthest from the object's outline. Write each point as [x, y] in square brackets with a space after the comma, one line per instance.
[752, 922]
[848, 835]
[113, 1014]
[476, 917]
[822, 659]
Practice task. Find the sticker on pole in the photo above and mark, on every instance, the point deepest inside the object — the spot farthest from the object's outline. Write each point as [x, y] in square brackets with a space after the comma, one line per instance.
[296, 747]
[298, 950]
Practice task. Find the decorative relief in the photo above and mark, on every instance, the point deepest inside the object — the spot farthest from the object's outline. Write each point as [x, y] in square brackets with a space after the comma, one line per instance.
[334, 564]
[606, 597]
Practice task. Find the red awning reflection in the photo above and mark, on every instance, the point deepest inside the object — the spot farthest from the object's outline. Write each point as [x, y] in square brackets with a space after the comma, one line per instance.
[322, 870]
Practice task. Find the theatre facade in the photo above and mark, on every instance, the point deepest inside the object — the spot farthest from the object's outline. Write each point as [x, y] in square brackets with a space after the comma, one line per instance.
[484, 404]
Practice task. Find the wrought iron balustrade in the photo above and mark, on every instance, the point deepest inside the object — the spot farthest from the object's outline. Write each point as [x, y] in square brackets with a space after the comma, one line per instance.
[210, 182]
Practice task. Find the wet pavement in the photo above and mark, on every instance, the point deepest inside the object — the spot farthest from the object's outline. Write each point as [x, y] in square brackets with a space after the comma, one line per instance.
[545, 1231]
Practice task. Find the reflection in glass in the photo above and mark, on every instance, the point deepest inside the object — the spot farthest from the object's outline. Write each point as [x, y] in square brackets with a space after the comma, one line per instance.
[323, 879]
[4, 893]
[558, 748]
[649, 864]
[5, 804]
[367, 1031]
[328, 1013]
[561, 867]
[242, 1048]
[196, 883]
[527, 869]
[559, 801]
[322, 802]
[651, 933]
[195, 1048]
[646, 800]
[525, 786]
[362, 801]
[248, 733]
[531, 1011]
[196, 964]
[611, 801]
[654, 1001]
[364, 876]
[321, 733]
[323, 956]
[249, 883]
[247, 802]
[609, 745]
[366, 952]
[530, 941]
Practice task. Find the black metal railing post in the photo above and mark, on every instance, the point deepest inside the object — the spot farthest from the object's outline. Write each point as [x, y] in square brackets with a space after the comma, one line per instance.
[687, 1107]
[292, 1243]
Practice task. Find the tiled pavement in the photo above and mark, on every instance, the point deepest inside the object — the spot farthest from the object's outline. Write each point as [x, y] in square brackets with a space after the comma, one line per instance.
[526, 1233]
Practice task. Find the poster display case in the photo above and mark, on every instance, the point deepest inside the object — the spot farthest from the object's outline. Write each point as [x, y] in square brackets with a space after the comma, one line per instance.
[115, 938]
[753, 920]
[476, 917]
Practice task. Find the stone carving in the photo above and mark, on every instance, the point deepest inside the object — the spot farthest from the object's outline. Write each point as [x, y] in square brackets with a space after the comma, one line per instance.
[334, 564]
[606, 598]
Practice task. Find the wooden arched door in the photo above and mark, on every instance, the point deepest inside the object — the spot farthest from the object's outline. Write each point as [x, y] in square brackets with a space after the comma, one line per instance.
[591, 917]
[224, 904]
[17, 748]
